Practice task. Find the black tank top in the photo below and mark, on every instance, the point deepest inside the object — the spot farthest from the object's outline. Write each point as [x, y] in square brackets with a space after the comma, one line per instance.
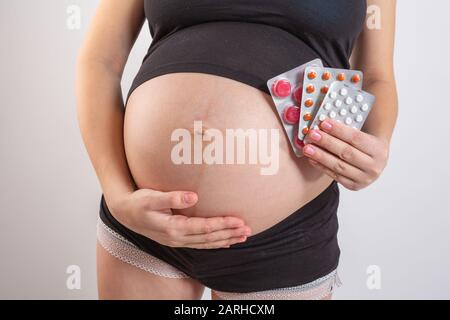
[249, 41]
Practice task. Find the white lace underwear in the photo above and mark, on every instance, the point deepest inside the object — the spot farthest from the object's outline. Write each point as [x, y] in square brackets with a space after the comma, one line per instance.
[127, 252]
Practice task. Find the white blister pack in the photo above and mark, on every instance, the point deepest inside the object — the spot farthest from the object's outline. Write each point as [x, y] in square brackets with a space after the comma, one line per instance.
[346, 104]
[286, 90]
[316, 83]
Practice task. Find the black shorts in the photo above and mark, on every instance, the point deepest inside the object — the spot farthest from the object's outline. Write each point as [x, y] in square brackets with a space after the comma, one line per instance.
[296, 251]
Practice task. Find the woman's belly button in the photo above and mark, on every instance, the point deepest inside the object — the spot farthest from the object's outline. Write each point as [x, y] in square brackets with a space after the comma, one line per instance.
[231, 151]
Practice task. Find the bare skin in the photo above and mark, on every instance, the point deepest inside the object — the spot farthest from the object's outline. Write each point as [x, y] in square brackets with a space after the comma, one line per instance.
[158, 111]
[164, 215]
[121, 281]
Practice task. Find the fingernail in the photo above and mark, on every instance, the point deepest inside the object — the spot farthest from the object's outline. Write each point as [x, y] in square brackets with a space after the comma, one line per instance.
[326, 125]
[242, 239]
[308, 150]
[315, 136]
[189, 197]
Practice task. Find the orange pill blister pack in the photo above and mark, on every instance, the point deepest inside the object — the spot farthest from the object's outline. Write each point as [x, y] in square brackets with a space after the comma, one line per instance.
[316, 83]
[286, 91]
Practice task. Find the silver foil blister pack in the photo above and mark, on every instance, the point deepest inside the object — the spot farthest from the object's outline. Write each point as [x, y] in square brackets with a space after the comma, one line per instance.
[345, 104]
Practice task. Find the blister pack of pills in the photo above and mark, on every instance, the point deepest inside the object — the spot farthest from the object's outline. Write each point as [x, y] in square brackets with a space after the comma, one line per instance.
[346, 104]
[316, 83]
[286, 90]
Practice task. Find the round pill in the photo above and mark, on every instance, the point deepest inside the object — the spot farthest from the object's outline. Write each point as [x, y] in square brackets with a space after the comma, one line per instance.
[341, 76]
[309, 103]
[298, 143]
[348, 100]
[343, 112]
[333, 95]
[307, 117]
[322, 117]
[356, 78]
[291, 114]
[343, 92]
[359, 118]
[332, 114]
[326, 76]
[305, 130]
[348, 121]
[282, 88]
[324, 90]
[312, 75]
[327, 106]
[310, 88]
[359, 98]
[365, 107]
[298, 94]
[338, 103]
[354, 109]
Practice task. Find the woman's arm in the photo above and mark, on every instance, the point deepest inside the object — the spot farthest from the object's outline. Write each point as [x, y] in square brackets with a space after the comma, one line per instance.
[374, 55]
[100, 113]
[356, 158]
[101, 62]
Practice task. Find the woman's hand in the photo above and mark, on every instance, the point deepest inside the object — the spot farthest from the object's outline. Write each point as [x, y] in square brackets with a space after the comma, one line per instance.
[351, 157]
[148, 212]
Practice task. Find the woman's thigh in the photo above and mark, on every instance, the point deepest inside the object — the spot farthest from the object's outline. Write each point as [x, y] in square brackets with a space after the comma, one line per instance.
[119, 280]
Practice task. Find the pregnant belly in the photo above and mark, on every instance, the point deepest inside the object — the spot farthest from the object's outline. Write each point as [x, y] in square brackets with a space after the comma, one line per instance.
[221, 139]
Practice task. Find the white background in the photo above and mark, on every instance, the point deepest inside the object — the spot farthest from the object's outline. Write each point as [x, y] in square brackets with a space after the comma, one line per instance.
[50, 196]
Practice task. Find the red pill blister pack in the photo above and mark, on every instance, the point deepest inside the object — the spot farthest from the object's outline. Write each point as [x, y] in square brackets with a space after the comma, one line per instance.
[346, 104]
[286, 90]
[316, 83]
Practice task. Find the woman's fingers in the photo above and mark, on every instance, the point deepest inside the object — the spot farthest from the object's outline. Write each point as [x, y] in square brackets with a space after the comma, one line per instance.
[177, 228]
[215, 236]
[217, 244]
[205, 233]
[341, 149]
[358, 139]
[346, 182]
[351, 157]
[198, 225]
[333, 163]
[184, 231]
[157, 200]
